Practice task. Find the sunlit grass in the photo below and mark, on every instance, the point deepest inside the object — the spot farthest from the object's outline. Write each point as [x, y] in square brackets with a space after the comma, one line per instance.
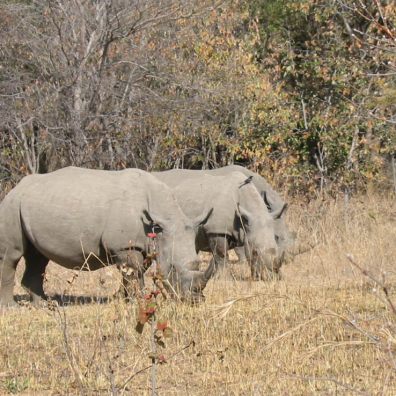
[324, 328]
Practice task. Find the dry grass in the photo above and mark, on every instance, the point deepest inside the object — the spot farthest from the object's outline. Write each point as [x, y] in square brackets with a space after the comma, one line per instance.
[325, 328]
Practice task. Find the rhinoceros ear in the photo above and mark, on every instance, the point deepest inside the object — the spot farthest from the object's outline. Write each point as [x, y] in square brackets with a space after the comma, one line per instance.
[278, 214]
[202, 218]
[266, 201]
[154, 220]
[244, 215]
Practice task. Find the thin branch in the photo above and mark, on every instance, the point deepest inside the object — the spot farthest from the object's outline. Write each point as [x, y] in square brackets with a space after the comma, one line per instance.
[380, 283]
[133, 375]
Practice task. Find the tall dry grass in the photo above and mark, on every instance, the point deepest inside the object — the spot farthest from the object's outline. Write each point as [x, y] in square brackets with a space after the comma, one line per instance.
[325, 328]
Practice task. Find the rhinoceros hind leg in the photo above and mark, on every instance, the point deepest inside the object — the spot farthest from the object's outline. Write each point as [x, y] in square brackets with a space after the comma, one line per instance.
[33, 277]
[8, 264]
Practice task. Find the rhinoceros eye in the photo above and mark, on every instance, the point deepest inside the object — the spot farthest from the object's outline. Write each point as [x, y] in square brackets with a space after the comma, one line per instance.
[156, 228]
[277, 239]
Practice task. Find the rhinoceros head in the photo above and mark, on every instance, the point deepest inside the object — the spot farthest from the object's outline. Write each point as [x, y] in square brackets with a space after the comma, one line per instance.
[259, 237]
[190, 285]
[283, 236]
[177, 255]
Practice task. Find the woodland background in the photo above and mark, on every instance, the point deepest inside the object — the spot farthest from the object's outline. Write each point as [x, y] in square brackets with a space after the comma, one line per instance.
[303, 92]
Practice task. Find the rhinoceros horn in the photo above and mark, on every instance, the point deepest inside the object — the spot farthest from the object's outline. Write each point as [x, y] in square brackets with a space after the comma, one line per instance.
[299, 249]
[304, 247]
[206, 275]
[209, 271]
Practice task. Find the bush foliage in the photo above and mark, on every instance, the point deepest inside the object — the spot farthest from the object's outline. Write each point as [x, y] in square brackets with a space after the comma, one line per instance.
[301, 91]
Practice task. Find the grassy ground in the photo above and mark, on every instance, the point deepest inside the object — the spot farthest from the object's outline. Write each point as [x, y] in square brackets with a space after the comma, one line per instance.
[325, 328]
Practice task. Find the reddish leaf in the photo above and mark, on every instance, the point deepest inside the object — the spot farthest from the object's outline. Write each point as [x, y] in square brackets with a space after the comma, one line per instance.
[142, 316]
[161, 359]
[162, 325]
[150, 308]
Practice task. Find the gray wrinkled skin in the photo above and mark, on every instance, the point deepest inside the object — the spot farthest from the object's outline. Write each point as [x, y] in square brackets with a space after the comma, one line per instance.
[274, 203]
[73, 214]
[240, 216]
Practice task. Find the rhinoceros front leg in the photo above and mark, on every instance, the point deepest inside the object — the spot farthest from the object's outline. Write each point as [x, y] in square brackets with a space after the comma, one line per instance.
[33, 277]
[8, 263]
[255, 267]
[240, 252]
[132, 271]
[219, 247]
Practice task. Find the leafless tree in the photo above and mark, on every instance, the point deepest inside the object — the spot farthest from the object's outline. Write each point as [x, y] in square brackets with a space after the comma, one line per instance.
[77, 81]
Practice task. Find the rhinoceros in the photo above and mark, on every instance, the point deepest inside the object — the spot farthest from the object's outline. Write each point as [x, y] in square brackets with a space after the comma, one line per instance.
[286, 239]
[82, 218]
[240, 216]
[274, 203]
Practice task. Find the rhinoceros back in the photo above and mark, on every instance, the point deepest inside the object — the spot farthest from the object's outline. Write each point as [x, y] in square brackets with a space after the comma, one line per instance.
[65, 213]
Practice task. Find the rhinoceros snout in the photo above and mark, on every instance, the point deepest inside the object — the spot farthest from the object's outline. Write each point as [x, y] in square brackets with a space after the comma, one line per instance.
[269, 258]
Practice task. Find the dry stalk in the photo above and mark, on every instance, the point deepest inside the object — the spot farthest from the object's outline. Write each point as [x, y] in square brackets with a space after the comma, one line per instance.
[335, 344]
[221, 311]
[379, 283]
[343, 385]
[352, 323]
[174, 292]
[69, 353]
[133, 375]
[290, 332]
